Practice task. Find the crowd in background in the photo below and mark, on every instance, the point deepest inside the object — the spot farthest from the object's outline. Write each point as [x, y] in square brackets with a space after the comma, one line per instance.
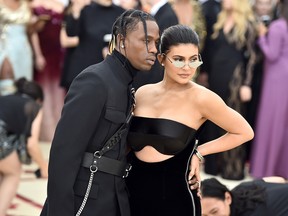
[244, 45]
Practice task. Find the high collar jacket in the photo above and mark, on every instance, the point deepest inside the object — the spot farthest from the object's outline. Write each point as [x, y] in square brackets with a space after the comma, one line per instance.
[95, 107]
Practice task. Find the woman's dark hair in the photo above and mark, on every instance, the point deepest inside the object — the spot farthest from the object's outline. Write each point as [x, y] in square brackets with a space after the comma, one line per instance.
[213, 188]
[175, 35]
[284, 9]
[127, 22]
[245, 197]
[29, 88]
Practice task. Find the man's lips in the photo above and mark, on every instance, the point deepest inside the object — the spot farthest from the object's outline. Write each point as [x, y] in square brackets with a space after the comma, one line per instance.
[151, 60]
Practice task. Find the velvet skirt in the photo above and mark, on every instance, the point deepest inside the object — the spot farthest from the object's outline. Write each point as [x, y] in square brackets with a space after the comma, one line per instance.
[161, 188]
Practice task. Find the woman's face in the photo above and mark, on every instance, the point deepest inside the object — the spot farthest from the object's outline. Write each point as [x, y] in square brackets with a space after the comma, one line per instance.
[263, 7]
[182, 53]
[216, 207]
[141, 57]
[227, 4]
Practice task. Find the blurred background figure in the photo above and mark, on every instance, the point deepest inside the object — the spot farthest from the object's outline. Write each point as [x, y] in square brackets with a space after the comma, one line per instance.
[230, 73]
[20, 114]
[94, 34]
[263, 12]
[69, 43]
[265, 197]
[48, 62]
[130, 4]
[210, 10]
[270, 149]
[189, 13]
[15, 50]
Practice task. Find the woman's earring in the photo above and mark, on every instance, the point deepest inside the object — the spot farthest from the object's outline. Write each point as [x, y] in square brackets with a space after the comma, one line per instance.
[162, 64]
[122, 46]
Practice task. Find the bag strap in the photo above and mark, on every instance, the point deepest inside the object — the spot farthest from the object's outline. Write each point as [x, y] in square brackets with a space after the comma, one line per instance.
[107, 146]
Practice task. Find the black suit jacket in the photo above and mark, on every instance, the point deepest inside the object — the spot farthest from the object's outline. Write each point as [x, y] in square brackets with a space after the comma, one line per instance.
[165, 17]
[95, 107]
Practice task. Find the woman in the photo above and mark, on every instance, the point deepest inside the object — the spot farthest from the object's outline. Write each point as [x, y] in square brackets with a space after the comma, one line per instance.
[189, 13]
[230, 72]
[269, 150]
[49, 60]
[265, 197]
[166, 122]
[20, 115]
[15, 50]
[94, 34]
[69, 43]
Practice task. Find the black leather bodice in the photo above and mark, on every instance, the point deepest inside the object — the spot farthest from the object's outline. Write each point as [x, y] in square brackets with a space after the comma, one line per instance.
[166, 136]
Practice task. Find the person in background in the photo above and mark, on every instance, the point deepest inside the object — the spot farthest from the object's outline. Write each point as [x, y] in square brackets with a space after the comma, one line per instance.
[263, 13]
[48, 64]
[130, 4]
[69, 43]
[265, 197]
[231, 70]
[94, 34]
[16, 53]
[210, 10]
[163, 131]
[189, 13]
[269, 149]
[20, 114]
[97, 105]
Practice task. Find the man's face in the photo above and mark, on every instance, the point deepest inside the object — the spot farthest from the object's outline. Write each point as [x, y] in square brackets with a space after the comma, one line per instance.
[141, 56]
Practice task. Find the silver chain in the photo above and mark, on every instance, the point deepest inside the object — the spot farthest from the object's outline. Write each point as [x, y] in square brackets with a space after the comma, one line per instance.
[86, 194]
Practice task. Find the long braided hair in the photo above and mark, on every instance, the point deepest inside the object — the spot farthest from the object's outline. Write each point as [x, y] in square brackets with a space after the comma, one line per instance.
[126, 23]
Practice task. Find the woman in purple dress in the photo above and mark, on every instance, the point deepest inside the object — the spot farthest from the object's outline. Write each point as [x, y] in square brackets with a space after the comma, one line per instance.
[270, 149]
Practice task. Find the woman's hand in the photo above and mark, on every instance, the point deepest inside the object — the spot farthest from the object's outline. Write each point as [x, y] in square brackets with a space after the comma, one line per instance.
[40, 62]
[262, 29]
[245, 93]
[194, 175]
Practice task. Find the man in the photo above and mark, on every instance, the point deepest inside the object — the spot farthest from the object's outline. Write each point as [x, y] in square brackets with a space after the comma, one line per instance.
[165, 17]
[96, 106]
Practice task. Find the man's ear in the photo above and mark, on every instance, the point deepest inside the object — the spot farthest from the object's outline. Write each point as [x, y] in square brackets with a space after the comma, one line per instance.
[228, 198]
[120, 40]
[160, 58]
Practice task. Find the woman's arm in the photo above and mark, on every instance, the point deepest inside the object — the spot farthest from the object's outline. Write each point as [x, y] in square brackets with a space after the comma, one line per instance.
[238, 130]
[39, 59]
[66, 41]
[33, 145]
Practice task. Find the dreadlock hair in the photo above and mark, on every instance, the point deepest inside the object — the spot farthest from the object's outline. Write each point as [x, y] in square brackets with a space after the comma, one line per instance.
[126, 23]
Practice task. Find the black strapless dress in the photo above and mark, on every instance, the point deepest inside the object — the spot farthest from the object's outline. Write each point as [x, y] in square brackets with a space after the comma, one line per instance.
[161, 188]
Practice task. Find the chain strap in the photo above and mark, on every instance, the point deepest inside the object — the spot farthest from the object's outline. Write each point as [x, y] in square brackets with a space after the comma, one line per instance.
[108, 145]
[93, 169]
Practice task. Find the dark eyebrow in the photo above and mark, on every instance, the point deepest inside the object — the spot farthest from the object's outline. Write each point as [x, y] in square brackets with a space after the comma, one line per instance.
[179, 56]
